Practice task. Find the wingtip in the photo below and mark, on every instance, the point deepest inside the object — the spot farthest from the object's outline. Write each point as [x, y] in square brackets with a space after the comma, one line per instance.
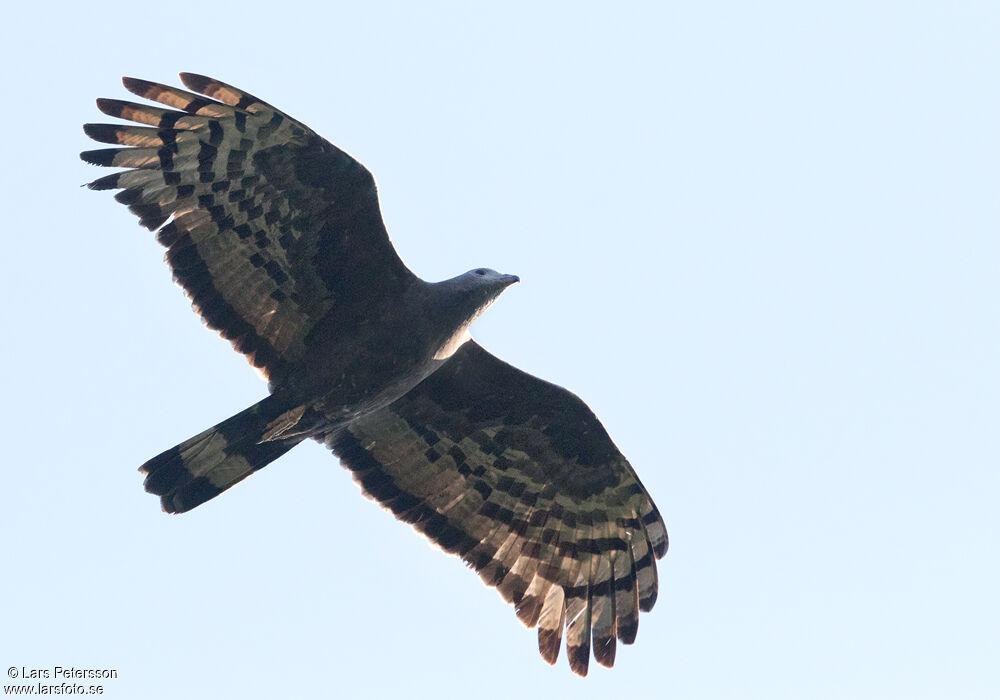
[108, 182]
[646, 603]
[137, 86]
[103, 133]
[194, 81]
[113, 108]
[579, 659]
[549, 642]
[100, 156]
[604, 651]
[628, 629]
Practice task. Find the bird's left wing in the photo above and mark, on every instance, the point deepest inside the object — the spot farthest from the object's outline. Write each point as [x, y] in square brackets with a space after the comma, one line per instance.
[518, 477]
[267, 225]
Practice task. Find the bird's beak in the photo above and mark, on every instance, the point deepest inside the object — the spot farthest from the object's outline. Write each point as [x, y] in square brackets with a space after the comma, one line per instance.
[511, 279]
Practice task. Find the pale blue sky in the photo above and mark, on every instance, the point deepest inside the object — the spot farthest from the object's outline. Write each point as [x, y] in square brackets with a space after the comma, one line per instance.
[760, 239]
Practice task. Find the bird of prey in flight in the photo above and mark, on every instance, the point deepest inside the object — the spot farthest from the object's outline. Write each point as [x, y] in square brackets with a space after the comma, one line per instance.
[276, 236]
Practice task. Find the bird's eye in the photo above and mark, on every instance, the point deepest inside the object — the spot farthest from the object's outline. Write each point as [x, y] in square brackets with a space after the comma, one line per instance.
[480, 272]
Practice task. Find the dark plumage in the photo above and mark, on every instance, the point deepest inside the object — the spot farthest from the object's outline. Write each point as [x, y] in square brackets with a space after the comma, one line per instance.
[276, 236]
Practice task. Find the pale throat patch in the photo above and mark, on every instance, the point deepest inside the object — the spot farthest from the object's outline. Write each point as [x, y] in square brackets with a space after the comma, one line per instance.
[460, 336]
[451, 346]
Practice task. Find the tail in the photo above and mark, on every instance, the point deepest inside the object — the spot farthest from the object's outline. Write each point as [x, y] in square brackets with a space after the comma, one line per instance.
[204, 466]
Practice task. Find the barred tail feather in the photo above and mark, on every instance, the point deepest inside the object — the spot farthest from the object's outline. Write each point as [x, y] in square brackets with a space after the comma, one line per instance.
[202, 467]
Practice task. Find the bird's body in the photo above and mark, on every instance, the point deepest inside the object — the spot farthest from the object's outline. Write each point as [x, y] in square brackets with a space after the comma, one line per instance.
[391, 354]
[276, 236]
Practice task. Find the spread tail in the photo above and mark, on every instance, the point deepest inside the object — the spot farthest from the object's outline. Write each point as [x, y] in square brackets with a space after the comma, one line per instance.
[202, 467]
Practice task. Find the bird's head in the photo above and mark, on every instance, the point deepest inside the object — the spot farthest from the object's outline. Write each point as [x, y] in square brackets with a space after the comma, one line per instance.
[484, 277]
[476, 289]
[484, 284]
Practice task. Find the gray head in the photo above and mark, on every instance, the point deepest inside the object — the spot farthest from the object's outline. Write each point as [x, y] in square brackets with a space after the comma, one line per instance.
[474, 290]
[484, 284]
[484, 277]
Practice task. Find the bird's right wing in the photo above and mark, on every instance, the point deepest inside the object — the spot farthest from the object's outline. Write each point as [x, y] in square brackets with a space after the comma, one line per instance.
[267, 225]
[518, 477]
